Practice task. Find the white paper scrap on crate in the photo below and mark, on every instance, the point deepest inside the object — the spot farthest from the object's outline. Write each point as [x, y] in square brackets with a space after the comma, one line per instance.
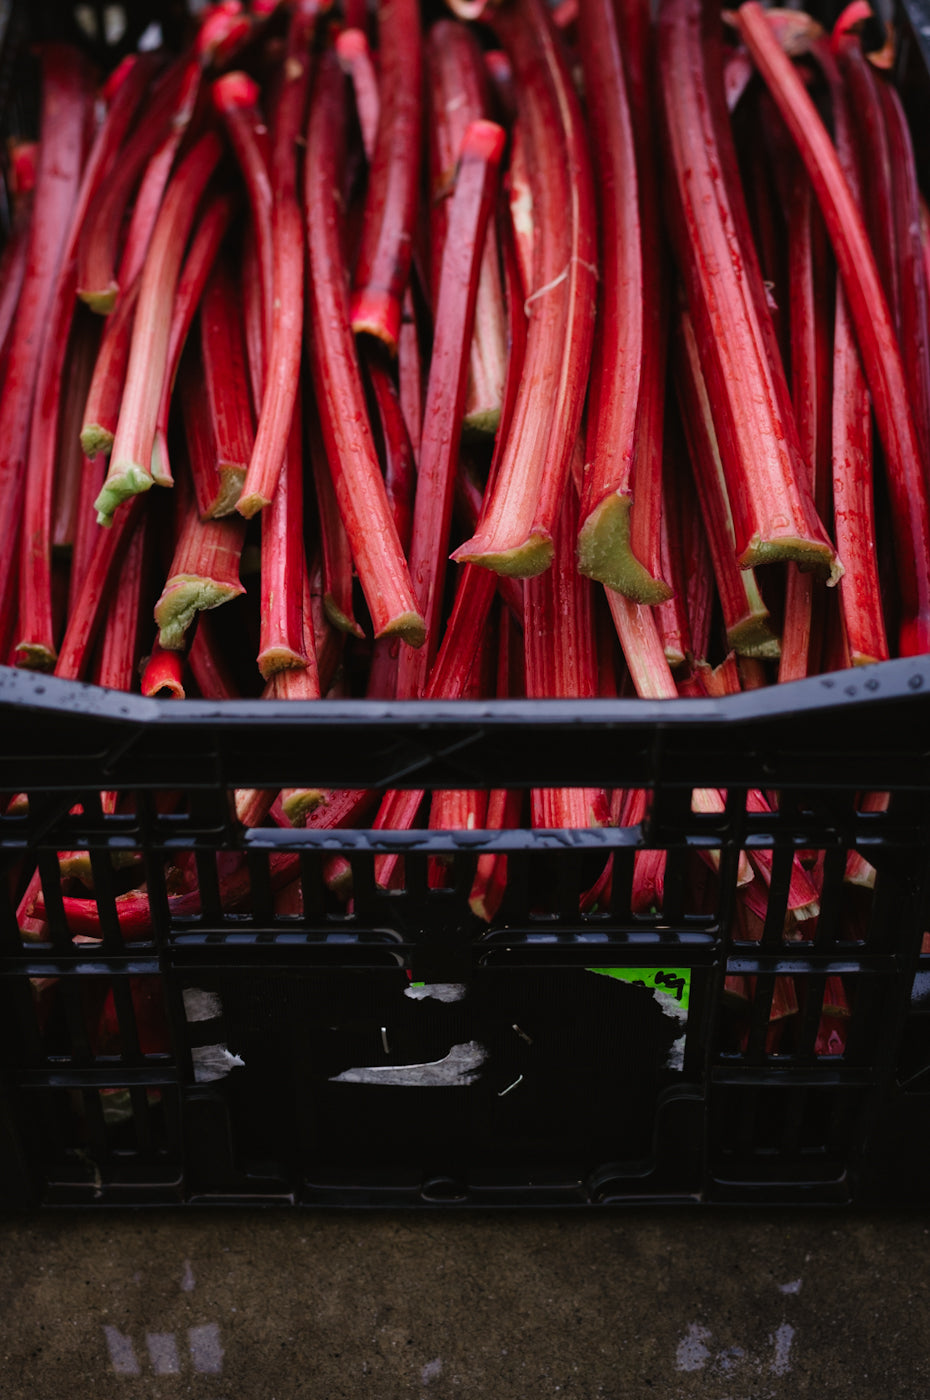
[455, 1070]
[438, 991]
[214, 1062]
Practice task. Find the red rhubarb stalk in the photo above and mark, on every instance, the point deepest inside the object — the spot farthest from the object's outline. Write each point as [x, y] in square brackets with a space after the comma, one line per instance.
[604, 539]
[653, 680]
[469, 215]
[163, 674]
[337, 552]
[131, 458]
[222, 28]
[447, 681]
[97, 283]
[228, 405]
[70, 474]
[773, 515]
[672, 615]
[204, 574]
[462, 809]
[411, 373]
[86, 612]
[66, 100]
[384, 256]
[881, 357]
[397, 452]
[235, 96]
[13, 270]
[808, 329]
[101, 413]
[347, 436]
[119, 648]
[151, 191]
[561, 661]
[205, 244]
[515, 532]
[86, 529]
[283, 351]
[866, 110]
[207, 663]
[520, 204]
[861, 636]
[300, 682]
[457, 89]
[914, 319]
[209, 488]
[284, 566]
[355, 56]
[744, 612]
[853, 500]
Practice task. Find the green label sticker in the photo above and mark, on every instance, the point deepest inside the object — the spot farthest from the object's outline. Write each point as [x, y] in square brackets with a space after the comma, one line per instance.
[673, 982]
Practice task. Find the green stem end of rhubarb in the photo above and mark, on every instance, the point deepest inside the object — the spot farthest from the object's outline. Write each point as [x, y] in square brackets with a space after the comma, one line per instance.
[118, 487]
[182, 599]
[604, 553]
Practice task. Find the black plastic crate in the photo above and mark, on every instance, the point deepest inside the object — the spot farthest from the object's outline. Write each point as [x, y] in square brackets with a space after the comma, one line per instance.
[398, 1049]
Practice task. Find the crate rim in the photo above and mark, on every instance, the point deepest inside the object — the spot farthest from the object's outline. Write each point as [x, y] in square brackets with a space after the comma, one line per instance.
[905, 679]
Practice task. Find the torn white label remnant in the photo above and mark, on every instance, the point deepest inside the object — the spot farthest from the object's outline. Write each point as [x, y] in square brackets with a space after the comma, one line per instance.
[458, 1068]
[213, 1062]
[671, 1006]
[676, 1055]
[200, 1005]
[439, 991]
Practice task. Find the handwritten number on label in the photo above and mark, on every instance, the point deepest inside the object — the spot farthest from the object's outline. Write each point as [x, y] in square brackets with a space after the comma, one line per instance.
[668, 979]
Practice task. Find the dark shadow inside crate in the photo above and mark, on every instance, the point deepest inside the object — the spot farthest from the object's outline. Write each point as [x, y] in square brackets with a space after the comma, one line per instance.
[556, 1070]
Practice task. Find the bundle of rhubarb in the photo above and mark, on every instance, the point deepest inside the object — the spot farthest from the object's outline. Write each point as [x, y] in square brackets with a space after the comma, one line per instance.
[372, 351]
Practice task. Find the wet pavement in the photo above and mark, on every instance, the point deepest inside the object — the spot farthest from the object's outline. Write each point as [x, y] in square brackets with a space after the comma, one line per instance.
[741, 1305]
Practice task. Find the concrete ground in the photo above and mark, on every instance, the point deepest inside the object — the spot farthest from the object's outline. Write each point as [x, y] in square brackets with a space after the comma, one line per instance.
[629, 1306]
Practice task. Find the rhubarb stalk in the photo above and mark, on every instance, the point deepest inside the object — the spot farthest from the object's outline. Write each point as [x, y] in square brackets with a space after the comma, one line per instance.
[458, 94]
[283, 352]
[881, 357]
[604, 539]
[515, 533]
[65, 109]
[469, 215]
[384, 257]
[347, 437]
[131, 458]
[773, 515]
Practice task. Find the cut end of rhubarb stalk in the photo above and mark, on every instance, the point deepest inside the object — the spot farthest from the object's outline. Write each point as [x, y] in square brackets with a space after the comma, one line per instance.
[340, 619]
[250, 505]
[233, 90]
[482, 422]
[118, 487]
[753, 637]
[96, 439]
[101, 300]
[859, 871]
[409, 626]
[526, 560]
[604, 553]
[185, 596]
[34, 656]
[230, 492]
[374, 311]
[275, 659]
[819, 558]
[298, 803]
